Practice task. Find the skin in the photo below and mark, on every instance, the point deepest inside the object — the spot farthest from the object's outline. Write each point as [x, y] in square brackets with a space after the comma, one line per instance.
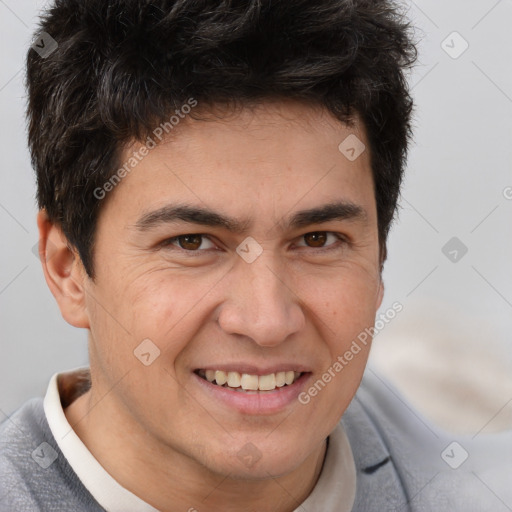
[153, 428]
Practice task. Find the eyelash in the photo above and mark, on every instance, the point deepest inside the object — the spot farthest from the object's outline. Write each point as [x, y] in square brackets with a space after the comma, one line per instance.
[335, 246]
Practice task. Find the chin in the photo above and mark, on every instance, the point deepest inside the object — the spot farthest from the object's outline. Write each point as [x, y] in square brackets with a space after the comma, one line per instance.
[257, 460]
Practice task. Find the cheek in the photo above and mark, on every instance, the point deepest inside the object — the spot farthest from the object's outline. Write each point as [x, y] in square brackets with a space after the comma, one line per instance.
[346, 300]
[164, 307]
[346, 309]
[126, 313]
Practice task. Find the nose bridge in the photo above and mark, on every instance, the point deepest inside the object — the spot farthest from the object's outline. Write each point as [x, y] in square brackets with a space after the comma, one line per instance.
[261, 305]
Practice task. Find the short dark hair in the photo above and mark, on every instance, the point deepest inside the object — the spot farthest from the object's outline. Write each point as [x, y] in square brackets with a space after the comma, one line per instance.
[121, 67]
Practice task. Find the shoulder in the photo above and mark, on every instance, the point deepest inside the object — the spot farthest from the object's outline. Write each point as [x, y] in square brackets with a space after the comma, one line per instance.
[436, 470]
[20, 435]
[34, 475]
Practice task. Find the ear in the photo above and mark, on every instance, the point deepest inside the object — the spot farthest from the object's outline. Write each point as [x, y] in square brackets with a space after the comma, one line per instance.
[383, 253]
[380, 294]
[63, 271]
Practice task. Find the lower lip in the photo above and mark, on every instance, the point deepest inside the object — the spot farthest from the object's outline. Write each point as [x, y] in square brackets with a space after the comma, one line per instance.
[268, 402]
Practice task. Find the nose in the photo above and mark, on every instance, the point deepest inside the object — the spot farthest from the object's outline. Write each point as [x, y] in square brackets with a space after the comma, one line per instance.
[261, 304]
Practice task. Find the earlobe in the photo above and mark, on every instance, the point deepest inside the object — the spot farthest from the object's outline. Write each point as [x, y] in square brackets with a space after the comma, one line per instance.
[63, 271]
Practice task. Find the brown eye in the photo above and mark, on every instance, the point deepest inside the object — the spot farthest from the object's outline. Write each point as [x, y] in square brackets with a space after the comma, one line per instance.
[190, 242]
[316, 239]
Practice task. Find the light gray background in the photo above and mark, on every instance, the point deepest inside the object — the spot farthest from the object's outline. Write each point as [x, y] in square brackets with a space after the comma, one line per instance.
[459, 167]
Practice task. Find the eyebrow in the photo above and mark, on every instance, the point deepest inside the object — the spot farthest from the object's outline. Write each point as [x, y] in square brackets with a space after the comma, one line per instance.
[340, 210]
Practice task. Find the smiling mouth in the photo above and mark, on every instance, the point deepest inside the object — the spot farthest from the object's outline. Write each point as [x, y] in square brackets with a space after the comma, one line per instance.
[248, 383]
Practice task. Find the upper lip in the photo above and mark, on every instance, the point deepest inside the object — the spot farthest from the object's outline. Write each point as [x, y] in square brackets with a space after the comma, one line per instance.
[253, 369]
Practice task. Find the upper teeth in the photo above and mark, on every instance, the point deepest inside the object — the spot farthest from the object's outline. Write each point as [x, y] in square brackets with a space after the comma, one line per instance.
[251, 382]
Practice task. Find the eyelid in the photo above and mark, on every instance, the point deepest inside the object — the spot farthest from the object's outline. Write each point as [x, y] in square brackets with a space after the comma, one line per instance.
[340, 238]
[169, 242]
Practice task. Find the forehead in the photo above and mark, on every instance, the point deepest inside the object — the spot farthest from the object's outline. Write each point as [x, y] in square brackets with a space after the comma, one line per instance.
[266, 160]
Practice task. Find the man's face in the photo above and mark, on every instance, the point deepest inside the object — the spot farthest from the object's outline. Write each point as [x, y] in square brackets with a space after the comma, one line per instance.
[214, 302]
